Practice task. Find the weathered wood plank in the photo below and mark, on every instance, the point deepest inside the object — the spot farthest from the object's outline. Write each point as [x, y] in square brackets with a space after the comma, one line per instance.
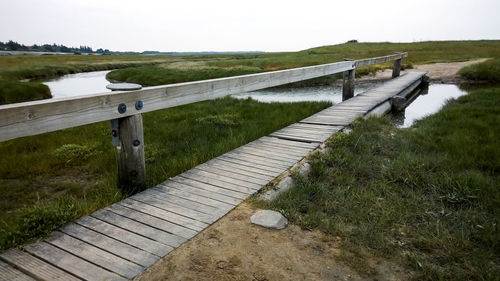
[290, 143]
[279, 149]
[224, 164]
[252, 162]
[210, 187]
[180, 210]
[94, 255]
[164, 214]
[261, 157]
[125, 236]
[35, 266]
[31, 118]
[251, 186]
[159, 193]
[139, 228]
[187, 195]
[270, 155]
[9, 273]
[201, 192]
[70, 263]
[152, 221]
[234, 173]
[116, 247]
[223, 184]
[290, 136]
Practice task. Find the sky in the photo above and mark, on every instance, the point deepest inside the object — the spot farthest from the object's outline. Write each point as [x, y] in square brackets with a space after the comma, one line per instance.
[232, 25]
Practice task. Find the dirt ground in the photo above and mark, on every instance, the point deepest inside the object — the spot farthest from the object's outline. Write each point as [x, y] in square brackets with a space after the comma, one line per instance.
[235, 249]
[437, 72]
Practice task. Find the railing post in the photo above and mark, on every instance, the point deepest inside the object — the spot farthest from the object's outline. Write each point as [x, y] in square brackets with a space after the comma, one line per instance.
[348, 83]
[128, 139]
[397, 67]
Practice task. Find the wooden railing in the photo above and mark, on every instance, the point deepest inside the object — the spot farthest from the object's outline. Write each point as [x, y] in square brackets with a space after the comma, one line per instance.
[124, 108]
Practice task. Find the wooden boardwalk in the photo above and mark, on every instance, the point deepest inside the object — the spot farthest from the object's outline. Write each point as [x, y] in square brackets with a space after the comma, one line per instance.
[122, 240]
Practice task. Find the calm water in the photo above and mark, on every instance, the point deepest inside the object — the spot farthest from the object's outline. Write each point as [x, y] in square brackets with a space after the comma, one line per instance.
[429, 103]
[78, 84]
[95, 82]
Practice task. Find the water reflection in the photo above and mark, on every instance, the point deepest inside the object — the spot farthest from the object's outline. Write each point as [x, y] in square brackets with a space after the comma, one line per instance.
[78, 84]
[322, 93]
[428, 103]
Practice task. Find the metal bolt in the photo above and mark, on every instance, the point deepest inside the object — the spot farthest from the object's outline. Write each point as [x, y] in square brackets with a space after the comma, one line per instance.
[136, 143]
[138, 105]
[122, 108]
[114, 133]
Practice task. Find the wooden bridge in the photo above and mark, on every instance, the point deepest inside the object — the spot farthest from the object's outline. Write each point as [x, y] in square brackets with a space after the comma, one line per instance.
[122, 240]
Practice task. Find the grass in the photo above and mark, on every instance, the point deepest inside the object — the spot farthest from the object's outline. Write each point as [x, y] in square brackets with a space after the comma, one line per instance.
[157, 75]
[146, 69]
[427, 197]
[14, 91]
[51, 179]
[486, 71]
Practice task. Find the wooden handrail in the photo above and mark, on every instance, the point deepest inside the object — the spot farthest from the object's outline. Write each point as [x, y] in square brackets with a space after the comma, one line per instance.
[37, 117]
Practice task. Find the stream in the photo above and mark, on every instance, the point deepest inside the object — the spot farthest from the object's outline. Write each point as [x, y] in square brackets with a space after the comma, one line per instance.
[80, 84]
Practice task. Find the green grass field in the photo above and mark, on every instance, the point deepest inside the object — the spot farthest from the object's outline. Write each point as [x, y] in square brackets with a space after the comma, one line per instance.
[426, 197]
[152, 69]
[50, 179]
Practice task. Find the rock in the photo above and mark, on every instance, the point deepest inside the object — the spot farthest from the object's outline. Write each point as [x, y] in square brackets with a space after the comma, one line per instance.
[269, 219]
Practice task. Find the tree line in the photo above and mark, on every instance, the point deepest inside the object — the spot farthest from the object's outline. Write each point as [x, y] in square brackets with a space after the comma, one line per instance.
[14, 46]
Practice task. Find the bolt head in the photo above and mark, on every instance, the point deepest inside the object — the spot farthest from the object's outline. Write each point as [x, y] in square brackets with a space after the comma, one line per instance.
[122, 108]
[139, 105]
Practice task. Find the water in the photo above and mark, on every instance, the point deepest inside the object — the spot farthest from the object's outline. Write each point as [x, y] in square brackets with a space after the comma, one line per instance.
[78, 84]
[429, 103]
[322, 93]
[95, 82]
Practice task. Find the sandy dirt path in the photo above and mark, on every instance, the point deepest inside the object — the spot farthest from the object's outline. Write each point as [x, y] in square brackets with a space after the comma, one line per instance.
[235, 249]
[445, 72]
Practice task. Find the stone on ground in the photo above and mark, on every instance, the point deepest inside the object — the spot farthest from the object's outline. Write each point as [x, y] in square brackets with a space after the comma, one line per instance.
[269, 219]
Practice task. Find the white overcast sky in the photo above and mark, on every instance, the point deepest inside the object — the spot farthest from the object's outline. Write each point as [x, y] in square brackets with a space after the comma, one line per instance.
[232, 25]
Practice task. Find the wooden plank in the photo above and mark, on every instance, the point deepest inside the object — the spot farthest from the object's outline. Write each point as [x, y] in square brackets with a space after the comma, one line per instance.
[270, 155]
[251, 186]
[113, 246]
[262, 157]
[158, 193]
[298, 137]
[201, 192]
[210, 187]
[293, 149]
[233, 173]
[290, 143]
[94, 255]
[252, 162]
[8, 273]
[139, 228]
[223, 184]
[35, 267]
[70, 263]
[31, 118]
[164, 214]
[180, 210]
[272, 148]
[152, 221]
[279, 149]
[125, 236]
[303, 132]
[379, 60]
[224, 164]
[186, 194]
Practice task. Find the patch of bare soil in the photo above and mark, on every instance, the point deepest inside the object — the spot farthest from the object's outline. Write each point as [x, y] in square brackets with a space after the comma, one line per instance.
[446, 72]
[234, 249]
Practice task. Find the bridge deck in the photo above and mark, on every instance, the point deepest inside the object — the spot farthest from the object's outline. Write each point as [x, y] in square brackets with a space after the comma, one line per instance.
[120, 241]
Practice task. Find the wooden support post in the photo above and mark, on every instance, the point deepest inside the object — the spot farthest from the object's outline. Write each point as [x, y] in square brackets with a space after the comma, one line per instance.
[348, 85]
[397, 68]
[128, 139]
[130, 155]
